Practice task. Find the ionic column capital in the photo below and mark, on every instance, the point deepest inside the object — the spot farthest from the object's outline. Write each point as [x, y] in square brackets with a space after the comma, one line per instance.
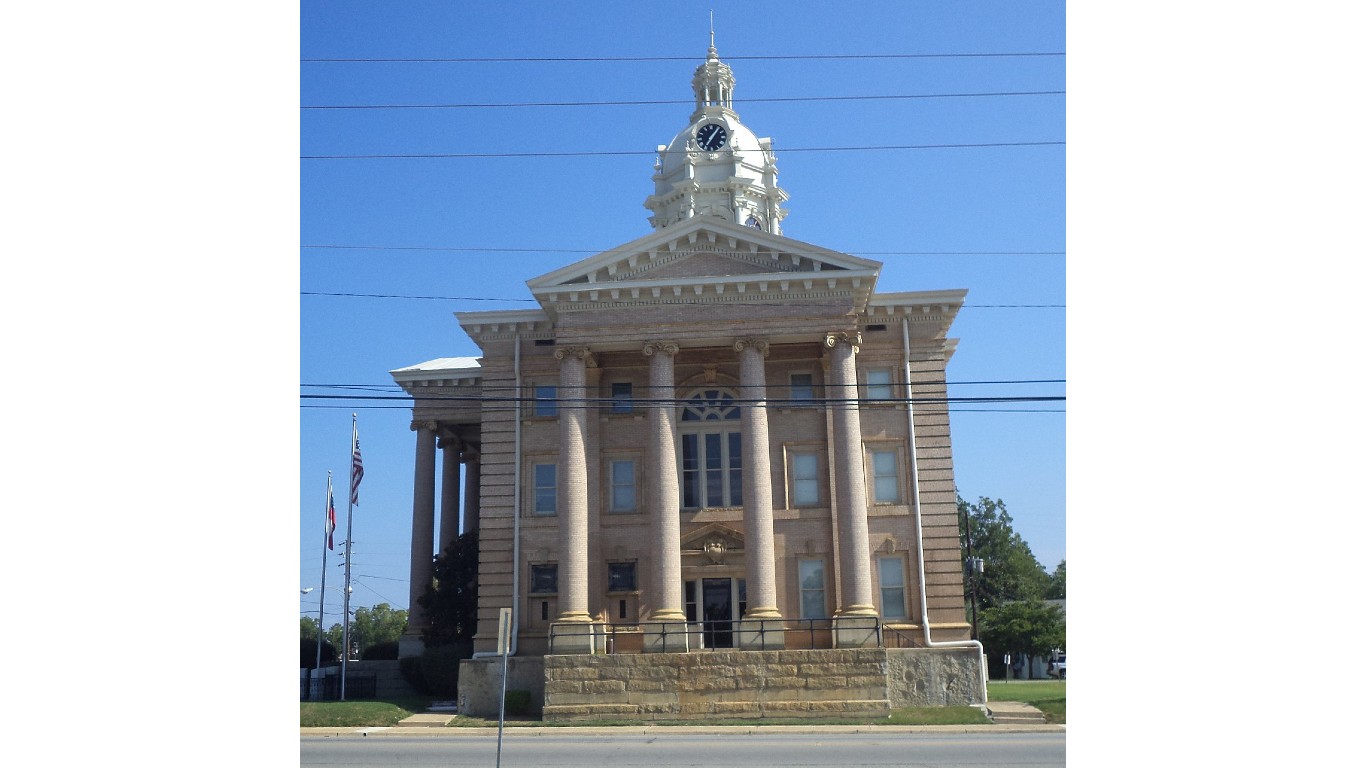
[854, 339]
[752, 342]
[577, 352]
[666, 347]
[430, 426]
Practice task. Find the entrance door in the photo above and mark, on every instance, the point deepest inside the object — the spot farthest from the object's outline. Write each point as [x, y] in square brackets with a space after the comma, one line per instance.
[716, 613]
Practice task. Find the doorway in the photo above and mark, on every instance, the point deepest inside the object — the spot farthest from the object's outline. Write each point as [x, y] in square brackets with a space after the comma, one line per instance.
[719, 601]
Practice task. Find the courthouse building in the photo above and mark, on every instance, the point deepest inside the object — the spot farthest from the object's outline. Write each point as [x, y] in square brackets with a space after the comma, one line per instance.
[712, 437]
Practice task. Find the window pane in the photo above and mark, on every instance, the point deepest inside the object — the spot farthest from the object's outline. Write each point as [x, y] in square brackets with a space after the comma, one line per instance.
[892, 574]
[802, 390]
[621, 397]
[691, 481]
[712, 443]
[544, 579]
[879, 384]
[544, 489]
[805, 484]
[621, 577]
[735, 458]
[545, 401]
[811, 575]
[885, 488]
[623, 486]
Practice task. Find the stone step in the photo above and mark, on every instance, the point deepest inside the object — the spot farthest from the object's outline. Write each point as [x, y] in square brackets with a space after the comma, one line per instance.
[428, 719]
[1014, 713]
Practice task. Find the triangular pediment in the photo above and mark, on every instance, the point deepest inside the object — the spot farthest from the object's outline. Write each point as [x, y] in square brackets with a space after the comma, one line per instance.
[715, 538]
[705, 255]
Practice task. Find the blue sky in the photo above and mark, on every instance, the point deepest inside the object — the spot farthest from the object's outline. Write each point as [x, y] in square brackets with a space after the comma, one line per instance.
[473, 230]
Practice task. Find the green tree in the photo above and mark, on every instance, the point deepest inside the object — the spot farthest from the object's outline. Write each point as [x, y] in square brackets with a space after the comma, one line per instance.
[1010, 571]
[452, 599]
[379, 624]
[1025, 627]
[308, 628]
[1057, 583]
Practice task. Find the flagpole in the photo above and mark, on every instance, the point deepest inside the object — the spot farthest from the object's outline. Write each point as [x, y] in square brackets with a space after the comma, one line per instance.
[346, 594]
[322, 589]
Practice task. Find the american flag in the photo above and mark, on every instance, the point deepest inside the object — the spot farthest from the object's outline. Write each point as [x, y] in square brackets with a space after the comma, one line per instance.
[331, 515]
[357, 471]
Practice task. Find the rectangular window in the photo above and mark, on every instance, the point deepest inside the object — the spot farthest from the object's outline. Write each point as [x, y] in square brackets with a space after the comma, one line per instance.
[543, 489]
[711, 469]
[544, 580]
[621, 577]
[806, 487]
[891, 572]
[811, 576]
[623, 486]
[879, 384]
[546, 404]
[621, 397]
[803, 391]
[886, 482]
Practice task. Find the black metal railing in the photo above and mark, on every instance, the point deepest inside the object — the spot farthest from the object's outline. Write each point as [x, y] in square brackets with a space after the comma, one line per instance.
[745, 634]
[359, 685]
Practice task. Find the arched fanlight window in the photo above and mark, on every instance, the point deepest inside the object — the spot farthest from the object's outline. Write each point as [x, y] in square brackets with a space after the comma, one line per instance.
[710, 473]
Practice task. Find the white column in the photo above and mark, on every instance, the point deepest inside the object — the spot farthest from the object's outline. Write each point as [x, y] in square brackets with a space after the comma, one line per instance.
[572, 505]
[662, 494]
[450, 490]
[850, 489]
[758, 496]
[424, 522]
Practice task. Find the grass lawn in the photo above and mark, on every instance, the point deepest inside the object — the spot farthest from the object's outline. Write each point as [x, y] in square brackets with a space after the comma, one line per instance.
[357, 714]
[1047, 696]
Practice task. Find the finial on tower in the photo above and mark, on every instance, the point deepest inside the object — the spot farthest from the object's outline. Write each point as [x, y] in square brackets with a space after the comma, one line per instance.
[711, 47]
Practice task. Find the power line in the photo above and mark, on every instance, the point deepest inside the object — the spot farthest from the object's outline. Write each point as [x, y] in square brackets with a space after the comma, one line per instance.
[671, 303]
[582, 59]
[661, 102]
[601, 250]
[631, 153]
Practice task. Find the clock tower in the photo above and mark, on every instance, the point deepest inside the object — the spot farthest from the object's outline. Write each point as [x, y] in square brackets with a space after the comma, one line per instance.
[716, 166]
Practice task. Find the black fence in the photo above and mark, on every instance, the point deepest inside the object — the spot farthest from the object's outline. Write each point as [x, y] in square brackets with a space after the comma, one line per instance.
[751, 634]
[359, 685]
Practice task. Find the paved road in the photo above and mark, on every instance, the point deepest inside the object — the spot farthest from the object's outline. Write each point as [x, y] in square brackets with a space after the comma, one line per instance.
[656, 750]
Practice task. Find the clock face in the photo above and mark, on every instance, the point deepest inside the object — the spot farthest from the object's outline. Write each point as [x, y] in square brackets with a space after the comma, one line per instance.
[711, 136]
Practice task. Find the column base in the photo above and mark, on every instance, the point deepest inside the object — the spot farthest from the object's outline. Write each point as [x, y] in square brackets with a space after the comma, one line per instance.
[410, 643]
[855, 631]
[570, 637]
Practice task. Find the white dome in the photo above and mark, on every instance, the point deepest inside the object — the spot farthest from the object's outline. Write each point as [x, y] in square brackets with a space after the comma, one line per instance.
[740, 139]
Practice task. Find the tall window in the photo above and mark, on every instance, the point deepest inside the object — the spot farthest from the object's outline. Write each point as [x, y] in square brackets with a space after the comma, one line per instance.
[621, 397]
[811, 576]
[543, 489]
[891, 573]
[710, 458]
[802, 389]
[806, 487]
[546, 404]
[886, 479]
[623, 485]
[879, 384]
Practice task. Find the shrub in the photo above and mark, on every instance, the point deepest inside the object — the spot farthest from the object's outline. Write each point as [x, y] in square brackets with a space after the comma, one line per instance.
[411, 669]
[385, 651]
[308, 653]
[517, 702]
[441, 669]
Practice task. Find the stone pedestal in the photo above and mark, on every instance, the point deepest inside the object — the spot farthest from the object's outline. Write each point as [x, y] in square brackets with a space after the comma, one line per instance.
[760, 635]
[667, 637]
[410, 644]
[577, 637]
[855, 632]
